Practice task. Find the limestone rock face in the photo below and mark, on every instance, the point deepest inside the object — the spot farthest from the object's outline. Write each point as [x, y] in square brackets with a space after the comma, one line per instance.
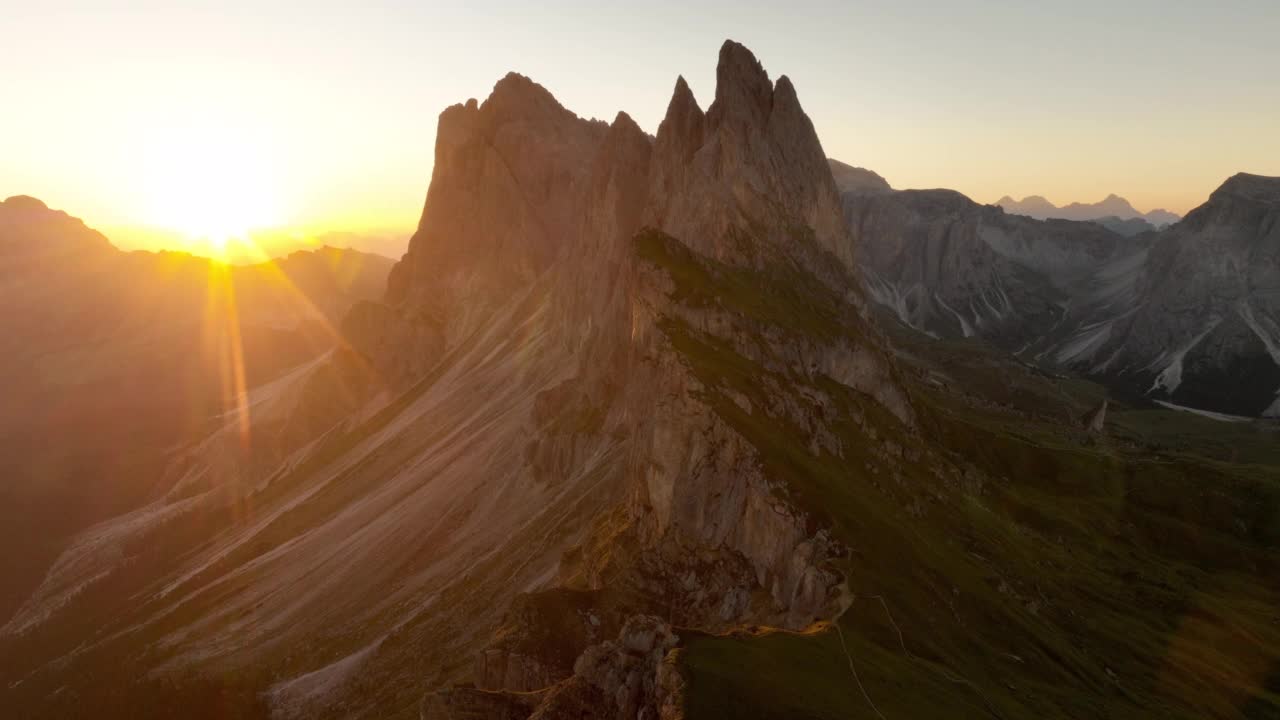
[702, 535]
[521, 186]
[401, 345]
[752, 160]
[508, 191]
[627, 672]
[544, 462]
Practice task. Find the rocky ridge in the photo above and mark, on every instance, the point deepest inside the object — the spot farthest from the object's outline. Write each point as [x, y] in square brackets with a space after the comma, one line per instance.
[532, 386]
[743, 186]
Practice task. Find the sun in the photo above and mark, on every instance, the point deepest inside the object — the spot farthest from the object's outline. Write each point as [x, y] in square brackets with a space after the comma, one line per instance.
[211, 184]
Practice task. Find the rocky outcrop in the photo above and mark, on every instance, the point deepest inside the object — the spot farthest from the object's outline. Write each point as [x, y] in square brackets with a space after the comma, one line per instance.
[631, 673]
[632, 676]
[705, 536]
[1095, 420]
[541, 637]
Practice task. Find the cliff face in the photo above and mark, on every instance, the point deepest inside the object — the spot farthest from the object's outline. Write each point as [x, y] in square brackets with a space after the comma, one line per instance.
[701, 533]
[535, 410]
[523, 189]
[753, 160]
[704, 536]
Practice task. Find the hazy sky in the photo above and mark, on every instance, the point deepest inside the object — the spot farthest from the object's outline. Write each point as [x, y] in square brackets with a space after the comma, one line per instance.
[130, 114]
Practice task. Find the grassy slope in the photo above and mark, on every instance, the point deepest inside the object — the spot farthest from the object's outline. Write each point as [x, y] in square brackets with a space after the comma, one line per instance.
[1041, 574]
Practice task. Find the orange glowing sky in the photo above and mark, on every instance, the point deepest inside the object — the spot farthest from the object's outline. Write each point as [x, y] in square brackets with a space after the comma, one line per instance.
[184, 126]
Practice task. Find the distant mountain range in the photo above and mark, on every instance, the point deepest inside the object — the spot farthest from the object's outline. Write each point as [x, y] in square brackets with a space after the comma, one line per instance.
[1113, 206]
[1188, 314]
[113, 358]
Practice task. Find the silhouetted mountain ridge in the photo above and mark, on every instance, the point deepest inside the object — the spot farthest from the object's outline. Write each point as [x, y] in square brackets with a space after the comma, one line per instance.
[1112, 205]
[113, 358]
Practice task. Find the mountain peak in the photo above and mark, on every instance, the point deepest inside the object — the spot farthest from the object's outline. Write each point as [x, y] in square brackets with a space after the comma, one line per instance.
[1113, 205]
[850, 179]
[514, 82]
[27, 226]
[682, 85]
[24, 202]
[516, 95]
[682, 108]
[1254, 187]
[738, 61]
[753, 160]
[623, 120]
[743, 89]
[784, 89]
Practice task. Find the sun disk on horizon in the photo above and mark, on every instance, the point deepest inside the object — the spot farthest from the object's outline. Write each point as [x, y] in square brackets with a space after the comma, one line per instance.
[211, 185]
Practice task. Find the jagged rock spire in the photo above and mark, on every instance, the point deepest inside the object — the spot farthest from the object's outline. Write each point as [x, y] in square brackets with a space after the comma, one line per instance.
[753, 161]
[520, 183]
[743, 91]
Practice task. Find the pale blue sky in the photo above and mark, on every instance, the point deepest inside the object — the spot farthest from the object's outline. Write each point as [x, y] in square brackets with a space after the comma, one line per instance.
[1157, 101]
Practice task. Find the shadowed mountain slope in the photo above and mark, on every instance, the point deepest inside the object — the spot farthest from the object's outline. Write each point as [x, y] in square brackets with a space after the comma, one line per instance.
[115, 359]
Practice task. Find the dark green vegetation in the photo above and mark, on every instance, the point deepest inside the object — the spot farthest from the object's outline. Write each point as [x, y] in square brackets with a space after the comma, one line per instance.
[1004, 562]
